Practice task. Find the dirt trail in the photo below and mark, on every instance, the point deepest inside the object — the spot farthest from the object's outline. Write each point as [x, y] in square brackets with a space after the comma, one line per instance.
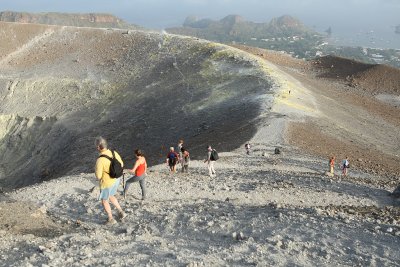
[337, 119]
[260, 209]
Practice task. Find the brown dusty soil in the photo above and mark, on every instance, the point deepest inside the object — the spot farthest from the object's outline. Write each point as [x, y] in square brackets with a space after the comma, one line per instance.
[308, 137]
[26, 218]
[372, 78]
[367, 118]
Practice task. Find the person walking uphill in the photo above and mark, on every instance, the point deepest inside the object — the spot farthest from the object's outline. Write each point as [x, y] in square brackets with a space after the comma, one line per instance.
[172, 159]
[332, 165]
[247, 146]
[185, 160]
[108, 185]
[140, 171]
[212, 156]
[345, 166]
[180, 146]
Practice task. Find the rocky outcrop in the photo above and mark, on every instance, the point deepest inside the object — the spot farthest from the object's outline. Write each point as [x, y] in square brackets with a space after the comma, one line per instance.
[239, 29]
[79, 20]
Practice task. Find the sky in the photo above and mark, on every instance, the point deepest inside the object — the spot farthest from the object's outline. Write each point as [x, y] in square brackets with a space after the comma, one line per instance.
[367, 19]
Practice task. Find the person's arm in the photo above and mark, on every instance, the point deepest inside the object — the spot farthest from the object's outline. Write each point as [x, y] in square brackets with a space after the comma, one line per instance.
[98, 170]
[132, 171]
[145, 166]
[208, 157]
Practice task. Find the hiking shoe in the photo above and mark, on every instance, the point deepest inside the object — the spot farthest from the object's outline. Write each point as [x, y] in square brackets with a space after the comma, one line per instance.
[111, 222]
[122, 215]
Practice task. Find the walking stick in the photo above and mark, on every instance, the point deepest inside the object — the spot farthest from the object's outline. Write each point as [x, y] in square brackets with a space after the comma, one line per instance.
[123, 185]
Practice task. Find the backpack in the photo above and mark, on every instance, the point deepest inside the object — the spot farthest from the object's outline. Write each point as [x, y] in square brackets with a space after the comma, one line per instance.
[116, 169]
[172, 157]
[214, 155]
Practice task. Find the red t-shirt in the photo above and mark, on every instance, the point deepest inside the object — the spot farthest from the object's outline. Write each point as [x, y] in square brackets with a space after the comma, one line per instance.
[140, 169]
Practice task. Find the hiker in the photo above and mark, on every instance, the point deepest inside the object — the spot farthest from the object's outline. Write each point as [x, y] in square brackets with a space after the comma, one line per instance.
[108, 185]
[247, 147]
[345, 166]
[332, 165]
[185, 160]
[210, 161]
[139, 172]
[180, 146]
[172, 159]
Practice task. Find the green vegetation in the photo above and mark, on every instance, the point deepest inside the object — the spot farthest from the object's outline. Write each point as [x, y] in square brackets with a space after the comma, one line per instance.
[281, 34]
[284, 33]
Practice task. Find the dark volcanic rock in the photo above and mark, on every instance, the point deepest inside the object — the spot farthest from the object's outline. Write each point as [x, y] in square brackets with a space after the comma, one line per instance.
[396, 192]
[139, 90]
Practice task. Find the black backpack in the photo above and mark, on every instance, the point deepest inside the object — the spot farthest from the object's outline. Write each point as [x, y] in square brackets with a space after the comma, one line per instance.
[214, 155]
[116, 169]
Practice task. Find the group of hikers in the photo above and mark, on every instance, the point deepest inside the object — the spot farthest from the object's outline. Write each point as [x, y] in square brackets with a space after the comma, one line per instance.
[344, 166]
[182, 157]
[110, 167]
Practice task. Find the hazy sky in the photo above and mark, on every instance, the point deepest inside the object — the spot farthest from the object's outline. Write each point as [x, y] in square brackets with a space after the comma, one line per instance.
[346, 17]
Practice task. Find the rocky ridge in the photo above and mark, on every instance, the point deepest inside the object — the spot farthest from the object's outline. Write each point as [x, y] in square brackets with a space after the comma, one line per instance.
[95, 20]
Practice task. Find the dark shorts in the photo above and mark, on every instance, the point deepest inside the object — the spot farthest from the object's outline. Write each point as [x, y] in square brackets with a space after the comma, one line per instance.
[172, 162]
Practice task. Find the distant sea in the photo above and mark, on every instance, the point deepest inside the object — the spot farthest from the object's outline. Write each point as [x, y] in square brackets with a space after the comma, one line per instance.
[371, 38]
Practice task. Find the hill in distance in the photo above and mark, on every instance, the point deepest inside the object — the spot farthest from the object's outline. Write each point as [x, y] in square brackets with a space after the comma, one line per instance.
[94, 20]
[284, 33]
[236, 28]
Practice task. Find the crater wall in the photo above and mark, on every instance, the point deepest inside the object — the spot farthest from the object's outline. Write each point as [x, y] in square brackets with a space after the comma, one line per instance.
[63, 86]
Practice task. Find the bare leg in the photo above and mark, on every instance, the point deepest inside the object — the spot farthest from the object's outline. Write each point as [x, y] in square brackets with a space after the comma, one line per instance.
[107, 208]
[114, 201]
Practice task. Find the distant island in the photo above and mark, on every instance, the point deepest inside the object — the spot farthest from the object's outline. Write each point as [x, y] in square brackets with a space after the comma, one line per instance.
[286, 34]
[283, 33]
